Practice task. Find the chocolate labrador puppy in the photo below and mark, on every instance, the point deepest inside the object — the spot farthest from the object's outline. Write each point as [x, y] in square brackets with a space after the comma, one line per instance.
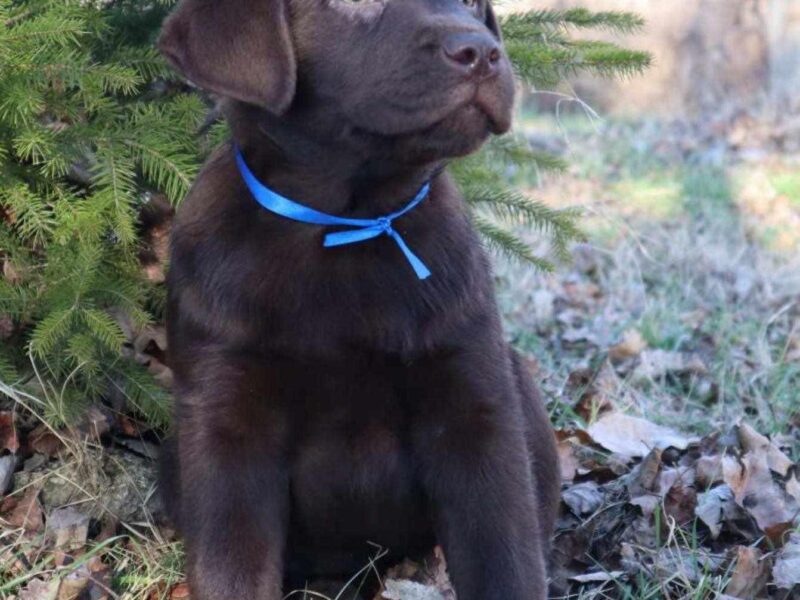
[328, 397]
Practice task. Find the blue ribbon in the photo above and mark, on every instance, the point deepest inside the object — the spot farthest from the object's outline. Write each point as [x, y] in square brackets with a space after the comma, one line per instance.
[366, 228]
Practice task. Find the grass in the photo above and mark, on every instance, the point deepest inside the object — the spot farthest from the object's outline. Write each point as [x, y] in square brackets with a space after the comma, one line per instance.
[787, 184]
[683, 249]
[147, 566]
[658, 196]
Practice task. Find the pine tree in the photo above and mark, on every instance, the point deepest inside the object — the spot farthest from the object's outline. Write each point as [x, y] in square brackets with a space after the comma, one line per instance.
[93, 124]
[85, 137]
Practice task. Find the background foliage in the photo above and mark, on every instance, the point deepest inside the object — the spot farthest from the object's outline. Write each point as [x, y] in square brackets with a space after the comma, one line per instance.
[93, 126]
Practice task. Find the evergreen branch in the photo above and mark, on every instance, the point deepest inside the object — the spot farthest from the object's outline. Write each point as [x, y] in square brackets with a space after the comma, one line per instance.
[164, 171]
[609, 59]
[33, 216]
[20, 104]
[15, 300]
[9, 21]
[514, 149]
[104, 329]
[537, 21]
[515, 206]
[505, 242]
[51, 330]
[117, 79]
[544, 65]
[8, 372]
[45, 29]
[82, 353]
[129, 302]
[147, 62]
[148, 398]
[114, 178]
[517, 209]
[620, 22]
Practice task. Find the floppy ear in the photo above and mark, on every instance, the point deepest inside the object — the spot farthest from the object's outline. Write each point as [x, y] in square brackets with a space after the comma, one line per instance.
[491, 22]
[237, 48]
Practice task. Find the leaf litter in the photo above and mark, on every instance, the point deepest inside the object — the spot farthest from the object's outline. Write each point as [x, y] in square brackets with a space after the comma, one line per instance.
[639, 502]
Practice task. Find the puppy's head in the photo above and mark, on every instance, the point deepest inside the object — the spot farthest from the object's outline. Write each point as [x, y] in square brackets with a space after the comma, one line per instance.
[425, 79]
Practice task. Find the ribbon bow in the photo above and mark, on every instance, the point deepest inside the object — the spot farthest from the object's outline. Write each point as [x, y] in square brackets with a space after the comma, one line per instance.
[366, 229]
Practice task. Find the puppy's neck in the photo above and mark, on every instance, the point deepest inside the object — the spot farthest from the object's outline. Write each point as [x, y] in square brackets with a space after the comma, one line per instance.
[322, 172]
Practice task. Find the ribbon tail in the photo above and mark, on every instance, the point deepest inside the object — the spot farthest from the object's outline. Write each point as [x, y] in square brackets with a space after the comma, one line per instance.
[340, 238]
[419, 267]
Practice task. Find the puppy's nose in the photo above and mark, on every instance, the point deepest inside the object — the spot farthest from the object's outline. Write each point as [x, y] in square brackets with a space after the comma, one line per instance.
[474, 54]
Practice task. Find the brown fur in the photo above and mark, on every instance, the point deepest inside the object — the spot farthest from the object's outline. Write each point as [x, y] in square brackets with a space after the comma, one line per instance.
[325, 397]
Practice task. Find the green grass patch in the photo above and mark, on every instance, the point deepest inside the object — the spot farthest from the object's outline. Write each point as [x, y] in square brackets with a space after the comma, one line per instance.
[787, 184]
[658, 195]
[707, 193]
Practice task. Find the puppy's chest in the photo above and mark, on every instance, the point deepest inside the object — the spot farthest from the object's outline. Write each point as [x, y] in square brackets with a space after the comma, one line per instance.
[350, 460]
[347, 477]
[374, 302]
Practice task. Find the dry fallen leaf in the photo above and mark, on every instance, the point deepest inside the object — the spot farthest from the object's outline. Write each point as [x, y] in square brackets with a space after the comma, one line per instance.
[73, 585]
[786, 571]
[38, 589]
[567, 461]
[593, 388]
[44, 441]
[680, 500]
[714, 506]
[599, 577]
[644, 477]
[633, 437]
[755, 491]
[631, 345]
[28, 514]
[708, 471]
[129, 426]
[648, 503]
[749, 576]
[8, 432]
[100, 577]
[95, 422]
[419, 581]
[67, 527]
[180, 592]
[580, 456]
[645, 483]
[752, 441]
[583, 499]
[793, 487]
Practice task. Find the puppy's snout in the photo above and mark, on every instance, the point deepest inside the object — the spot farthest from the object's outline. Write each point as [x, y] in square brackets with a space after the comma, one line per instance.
[474, 54]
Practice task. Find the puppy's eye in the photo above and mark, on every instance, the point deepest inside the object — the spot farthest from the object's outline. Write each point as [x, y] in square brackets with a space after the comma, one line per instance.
[470, 3]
